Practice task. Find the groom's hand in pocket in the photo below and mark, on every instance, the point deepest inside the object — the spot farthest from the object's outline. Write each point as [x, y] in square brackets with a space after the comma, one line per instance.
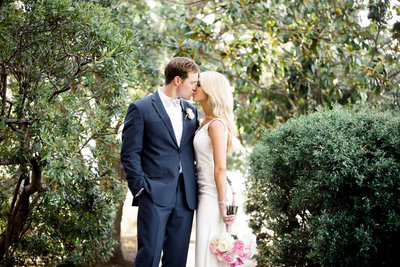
[140, 192]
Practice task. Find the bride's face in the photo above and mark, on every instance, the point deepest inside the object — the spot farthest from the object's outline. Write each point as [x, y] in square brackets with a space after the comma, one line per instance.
[199, 95]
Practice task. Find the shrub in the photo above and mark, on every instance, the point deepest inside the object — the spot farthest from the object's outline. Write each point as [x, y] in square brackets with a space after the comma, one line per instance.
[324, 190]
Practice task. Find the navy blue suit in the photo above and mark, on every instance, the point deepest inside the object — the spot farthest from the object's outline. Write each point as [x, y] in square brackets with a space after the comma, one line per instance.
[152, 159]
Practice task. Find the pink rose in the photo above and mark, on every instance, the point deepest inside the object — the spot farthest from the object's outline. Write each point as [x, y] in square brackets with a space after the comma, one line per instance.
[242, 255]
[219, 252]
[238, 247]
[228, 258]
[247, 255]
[237, 262]
[247, 252]
[248, 246]
[212, 248]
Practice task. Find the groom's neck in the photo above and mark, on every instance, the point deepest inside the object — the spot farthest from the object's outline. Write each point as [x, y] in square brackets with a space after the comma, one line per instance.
[170, 90]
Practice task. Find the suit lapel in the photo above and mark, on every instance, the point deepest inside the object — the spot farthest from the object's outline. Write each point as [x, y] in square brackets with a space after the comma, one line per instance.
[184, 120]
[158, 105]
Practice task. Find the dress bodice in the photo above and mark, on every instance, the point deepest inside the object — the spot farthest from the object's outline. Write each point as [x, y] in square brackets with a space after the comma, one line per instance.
[205, 159]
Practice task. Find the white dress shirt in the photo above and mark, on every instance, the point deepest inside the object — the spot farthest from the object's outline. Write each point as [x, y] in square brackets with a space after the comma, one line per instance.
[174, 111]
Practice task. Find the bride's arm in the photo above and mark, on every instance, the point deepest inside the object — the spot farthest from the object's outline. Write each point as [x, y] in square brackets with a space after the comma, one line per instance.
[216, 131]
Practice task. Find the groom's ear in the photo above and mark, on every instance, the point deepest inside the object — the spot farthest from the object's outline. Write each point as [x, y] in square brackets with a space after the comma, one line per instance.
[177, 80]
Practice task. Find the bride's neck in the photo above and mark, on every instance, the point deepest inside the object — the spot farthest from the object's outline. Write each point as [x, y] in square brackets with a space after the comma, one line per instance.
[207, 110]
[210, 117]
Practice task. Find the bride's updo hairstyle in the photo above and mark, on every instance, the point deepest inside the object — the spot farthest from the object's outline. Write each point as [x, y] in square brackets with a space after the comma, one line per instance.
[220, 99]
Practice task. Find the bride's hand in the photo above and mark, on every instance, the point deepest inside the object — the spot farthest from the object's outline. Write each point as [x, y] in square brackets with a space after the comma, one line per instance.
[228, 219]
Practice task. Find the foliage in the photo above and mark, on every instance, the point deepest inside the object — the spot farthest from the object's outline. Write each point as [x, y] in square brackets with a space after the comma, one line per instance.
[73, 225]
[65, 69]
[284, 57]
[149, 56]
[324, 190]
[69, 68]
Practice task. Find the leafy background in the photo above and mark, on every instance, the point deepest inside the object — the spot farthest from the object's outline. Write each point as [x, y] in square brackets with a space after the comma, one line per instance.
[69, 69]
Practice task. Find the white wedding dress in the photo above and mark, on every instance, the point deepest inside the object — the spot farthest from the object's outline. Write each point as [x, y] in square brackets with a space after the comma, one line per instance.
[209, 222]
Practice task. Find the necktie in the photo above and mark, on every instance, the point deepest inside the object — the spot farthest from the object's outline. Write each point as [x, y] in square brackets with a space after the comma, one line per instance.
[175, 102]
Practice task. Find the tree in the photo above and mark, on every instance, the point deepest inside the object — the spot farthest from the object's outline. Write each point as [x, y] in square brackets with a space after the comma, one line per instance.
[284, 57]
[65, 69]
[148, 54]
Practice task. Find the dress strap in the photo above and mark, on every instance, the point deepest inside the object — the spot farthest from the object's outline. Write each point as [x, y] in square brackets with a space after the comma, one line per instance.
[223, 122]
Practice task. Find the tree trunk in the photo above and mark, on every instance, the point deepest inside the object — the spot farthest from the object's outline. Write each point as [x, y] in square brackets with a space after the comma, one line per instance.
[118, 257]
[18, 215]
[347, 95]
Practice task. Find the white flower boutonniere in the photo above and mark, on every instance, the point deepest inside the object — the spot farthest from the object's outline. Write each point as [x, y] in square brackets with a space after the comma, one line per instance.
[189, 113]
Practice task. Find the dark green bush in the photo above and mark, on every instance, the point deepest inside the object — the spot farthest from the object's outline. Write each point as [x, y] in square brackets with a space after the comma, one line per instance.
[72, 227]
[324, 190]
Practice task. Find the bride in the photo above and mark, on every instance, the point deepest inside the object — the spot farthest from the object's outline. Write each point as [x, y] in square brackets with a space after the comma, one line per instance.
[212, 142]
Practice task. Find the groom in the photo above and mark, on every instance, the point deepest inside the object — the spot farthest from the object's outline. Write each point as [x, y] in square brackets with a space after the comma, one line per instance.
[158, 156]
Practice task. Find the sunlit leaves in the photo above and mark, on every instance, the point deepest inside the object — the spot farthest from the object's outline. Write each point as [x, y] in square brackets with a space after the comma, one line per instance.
[294, 55]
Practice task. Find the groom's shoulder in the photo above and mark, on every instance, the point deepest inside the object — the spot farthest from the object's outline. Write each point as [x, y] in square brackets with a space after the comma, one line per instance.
[143, 102]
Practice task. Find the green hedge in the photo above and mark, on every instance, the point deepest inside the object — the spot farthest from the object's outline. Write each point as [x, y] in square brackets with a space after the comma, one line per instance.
[324, 190]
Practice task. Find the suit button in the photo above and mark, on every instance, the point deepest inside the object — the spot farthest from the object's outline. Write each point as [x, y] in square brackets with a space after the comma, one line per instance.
[179, 150]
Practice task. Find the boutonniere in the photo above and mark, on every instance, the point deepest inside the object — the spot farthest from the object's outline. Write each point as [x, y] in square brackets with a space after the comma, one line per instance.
[189, 113]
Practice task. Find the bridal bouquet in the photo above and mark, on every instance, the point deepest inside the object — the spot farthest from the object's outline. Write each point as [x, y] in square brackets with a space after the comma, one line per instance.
[230, 249]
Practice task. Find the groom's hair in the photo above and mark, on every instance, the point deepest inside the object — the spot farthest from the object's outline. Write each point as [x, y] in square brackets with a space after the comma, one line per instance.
[179, 66]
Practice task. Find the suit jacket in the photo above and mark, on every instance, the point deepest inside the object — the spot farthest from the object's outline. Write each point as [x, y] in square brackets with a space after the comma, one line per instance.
[150, 153]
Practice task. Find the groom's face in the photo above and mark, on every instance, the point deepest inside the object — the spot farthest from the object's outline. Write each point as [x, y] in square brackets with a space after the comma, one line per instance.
[187, 87]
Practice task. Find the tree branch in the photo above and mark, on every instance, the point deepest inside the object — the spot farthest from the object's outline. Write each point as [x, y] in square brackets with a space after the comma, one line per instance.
[7, 161]
[344, 98]
[18, 121]
[87, 141]
[78, 70]
[36, 179]
[14, 129]
[10, 108]
[394, 74]
[375, 49]
[283, 82]
[64, 48]
[186, 4]
[3, 86]
[390, 98]
[68, 85]
[92, 137]
[64, 89]
[20, 178]
[29, 219]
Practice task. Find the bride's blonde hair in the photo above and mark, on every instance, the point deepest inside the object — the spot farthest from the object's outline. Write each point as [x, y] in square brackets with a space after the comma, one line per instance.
[220, 99]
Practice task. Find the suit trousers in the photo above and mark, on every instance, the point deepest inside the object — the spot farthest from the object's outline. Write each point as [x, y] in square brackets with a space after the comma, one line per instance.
[165, 229]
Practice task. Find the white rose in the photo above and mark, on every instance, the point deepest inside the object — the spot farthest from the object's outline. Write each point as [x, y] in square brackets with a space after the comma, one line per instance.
[189, 113]
[225, 242]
